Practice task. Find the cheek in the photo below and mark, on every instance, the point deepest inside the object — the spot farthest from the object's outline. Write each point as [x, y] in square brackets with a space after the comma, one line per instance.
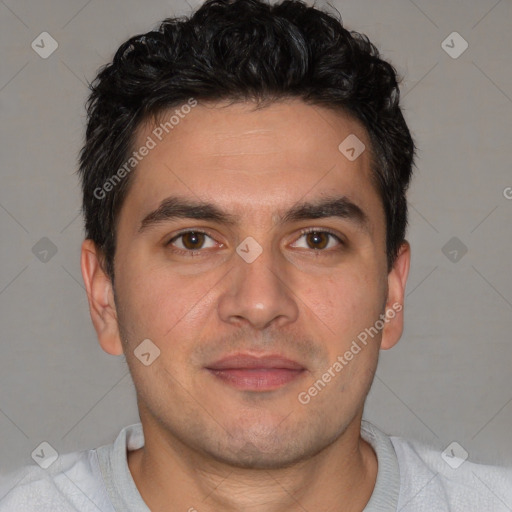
[157, 303]
[346, 303]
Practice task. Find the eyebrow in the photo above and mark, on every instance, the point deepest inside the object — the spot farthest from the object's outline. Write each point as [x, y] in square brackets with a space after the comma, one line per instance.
[175, 207]
[340, 207]
[178, 208]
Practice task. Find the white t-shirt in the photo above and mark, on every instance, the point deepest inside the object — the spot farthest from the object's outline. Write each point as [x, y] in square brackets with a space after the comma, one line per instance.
[412, 477]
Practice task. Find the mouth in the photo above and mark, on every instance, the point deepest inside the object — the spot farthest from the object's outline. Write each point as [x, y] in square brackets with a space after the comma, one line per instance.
[253, 373]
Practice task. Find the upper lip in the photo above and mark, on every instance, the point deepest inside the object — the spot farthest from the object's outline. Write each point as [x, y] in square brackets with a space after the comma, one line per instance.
[248, 361]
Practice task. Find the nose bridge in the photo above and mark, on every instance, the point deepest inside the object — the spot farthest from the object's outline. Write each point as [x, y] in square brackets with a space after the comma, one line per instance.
[257, 292]
[260, 278]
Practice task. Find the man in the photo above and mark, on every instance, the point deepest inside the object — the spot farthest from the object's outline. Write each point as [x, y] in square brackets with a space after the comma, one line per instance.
[244, 177]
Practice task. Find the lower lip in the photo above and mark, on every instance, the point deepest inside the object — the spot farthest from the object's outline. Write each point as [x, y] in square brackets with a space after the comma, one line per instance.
[257, 379]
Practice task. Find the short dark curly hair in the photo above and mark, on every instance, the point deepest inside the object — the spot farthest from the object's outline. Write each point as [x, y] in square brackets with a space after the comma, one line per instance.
[243, 50]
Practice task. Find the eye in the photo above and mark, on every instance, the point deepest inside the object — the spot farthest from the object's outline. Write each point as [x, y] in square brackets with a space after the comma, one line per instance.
[192, 241]
[318, 239]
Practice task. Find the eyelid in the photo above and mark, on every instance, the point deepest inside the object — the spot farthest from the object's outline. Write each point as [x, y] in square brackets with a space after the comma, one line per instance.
[184, 231]
[190, 252]
[331, 232]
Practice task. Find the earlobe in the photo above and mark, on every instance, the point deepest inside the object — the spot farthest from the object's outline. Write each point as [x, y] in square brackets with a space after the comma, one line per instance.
[397, 279]
[101, 299]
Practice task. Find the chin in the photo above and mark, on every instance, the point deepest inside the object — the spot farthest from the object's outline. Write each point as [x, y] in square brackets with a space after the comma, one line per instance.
[271, 450]
[251, 457]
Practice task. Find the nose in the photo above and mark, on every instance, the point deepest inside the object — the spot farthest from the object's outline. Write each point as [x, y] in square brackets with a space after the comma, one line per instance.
[258, 294]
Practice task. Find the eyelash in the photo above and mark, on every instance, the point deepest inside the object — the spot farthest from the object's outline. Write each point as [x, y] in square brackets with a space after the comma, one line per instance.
[191, 253]
[323, 230]
[182, 252]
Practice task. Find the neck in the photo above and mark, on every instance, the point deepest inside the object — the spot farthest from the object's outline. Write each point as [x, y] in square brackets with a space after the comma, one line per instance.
[340, 478]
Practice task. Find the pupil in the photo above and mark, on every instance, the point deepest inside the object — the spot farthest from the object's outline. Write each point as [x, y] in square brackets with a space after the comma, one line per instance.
[192, 239]
[317, 239]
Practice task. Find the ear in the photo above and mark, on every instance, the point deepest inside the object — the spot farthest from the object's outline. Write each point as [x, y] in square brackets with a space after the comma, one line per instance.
[397, 279]
[100, 295]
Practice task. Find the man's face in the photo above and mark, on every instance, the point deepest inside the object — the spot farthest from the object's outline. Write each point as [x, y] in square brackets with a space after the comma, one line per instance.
[216, 313]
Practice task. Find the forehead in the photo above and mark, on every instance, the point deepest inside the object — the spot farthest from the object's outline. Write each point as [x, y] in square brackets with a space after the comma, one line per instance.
[252, 161]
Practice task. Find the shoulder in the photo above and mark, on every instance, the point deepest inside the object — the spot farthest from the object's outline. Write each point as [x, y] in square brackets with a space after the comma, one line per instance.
[73, 482]
[433, 479]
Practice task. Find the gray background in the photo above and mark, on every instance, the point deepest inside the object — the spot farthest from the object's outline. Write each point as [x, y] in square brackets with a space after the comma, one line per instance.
[450, 376]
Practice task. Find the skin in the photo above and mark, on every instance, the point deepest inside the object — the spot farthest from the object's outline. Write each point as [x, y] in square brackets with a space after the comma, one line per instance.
[208, 445]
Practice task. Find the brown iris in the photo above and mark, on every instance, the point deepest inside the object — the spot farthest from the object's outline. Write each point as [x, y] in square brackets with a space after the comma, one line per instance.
[193, 240]
[317, 239]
